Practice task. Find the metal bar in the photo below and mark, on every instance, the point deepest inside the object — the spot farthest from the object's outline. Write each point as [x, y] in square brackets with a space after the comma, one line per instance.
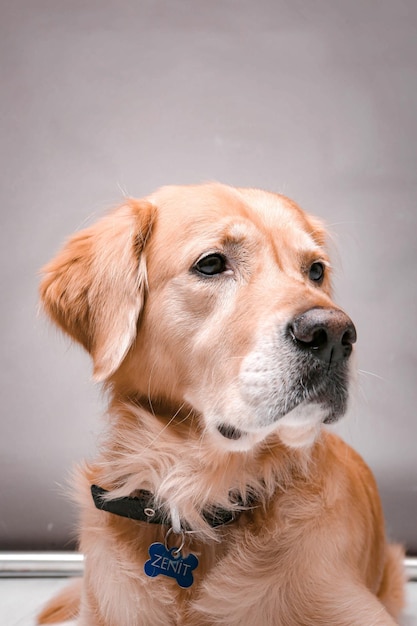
[411, 567]
[41, 564]
[62, 564]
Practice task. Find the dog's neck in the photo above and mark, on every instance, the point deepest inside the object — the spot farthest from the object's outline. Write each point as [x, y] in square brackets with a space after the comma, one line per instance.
[166, 410]
[169, 456]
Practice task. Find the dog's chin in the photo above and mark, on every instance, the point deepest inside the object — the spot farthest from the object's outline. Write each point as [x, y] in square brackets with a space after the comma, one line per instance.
[297, 429]
[241, 441]
[300, 427]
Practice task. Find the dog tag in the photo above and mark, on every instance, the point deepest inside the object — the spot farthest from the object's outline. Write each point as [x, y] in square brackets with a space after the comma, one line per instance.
[171, 563]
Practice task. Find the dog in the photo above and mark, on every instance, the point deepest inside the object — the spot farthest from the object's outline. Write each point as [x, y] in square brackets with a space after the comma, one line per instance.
[218, 496]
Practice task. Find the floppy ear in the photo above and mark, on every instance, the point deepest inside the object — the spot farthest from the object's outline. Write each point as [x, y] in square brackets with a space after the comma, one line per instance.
[94, 289]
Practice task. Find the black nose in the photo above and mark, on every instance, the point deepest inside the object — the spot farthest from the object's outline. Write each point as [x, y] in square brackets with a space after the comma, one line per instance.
[328, 334]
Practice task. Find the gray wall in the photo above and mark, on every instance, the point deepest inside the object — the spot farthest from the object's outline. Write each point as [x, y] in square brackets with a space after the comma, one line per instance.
[315, 99]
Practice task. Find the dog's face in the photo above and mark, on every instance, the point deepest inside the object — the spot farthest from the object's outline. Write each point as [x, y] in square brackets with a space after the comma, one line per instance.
[212, 298]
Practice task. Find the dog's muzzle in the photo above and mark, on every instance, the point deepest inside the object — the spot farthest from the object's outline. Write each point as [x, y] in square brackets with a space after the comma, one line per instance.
[305, 366]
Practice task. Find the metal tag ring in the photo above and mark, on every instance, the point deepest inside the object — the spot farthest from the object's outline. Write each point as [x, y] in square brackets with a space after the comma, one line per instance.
[177, 551]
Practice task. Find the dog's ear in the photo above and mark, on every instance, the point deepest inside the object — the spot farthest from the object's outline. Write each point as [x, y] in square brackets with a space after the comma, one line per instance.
[94, 289]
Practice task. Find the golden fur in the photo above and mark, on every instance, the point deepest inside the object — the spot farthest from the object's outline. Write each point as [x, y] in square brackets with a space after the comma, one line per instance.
[182, 354]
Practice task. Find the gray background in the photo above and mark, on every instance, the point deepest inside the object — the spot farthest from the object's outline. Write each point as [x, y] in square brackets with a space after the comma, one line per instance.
[315, 99]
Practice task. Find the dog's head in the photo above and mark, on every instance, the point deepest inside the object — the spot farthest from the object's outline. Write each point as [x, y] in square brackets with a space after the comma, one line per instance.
[213, 298]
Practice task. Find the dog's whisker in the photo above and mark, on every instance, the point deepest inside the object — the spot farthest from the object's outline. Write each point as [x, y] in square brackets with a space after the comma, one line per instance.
[123, 190]
[344, 223]
[163, 429]
[373, 374]
[149, 389]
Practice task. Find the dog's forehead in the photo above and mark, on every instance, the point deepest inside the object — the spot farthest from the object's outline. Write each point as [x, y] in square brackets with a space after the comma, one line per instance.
[212, 209]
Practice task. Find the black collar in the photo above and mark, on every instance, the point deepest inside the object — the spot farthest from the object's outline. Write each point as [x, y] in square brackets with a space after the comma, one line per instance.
[143, 508]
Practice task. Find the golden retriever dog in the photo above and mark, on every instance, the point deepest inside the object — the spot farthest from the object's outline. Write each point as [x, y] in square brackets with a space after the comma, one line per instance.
[218, 495]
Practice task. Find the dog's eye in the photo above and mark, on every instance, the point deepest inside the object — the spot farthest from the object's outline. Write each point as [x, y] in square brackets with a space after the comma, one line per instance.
[316, 272]
[211, 264]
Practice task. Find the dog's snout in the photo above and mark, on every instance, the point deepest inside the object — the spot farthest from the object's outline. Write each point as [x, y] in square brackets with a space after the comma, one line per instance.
[328, 334]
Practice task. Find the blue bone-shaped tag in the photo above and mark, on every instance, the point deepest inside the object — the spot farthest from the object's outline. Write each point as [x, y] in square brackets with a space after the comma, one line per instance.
[171, 563]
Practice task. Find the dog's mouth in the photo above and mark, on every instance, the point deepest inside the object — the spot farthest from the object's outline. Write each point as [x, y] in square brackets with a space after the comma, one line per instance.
[230, 432]
[294, 403]
[307, 407]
